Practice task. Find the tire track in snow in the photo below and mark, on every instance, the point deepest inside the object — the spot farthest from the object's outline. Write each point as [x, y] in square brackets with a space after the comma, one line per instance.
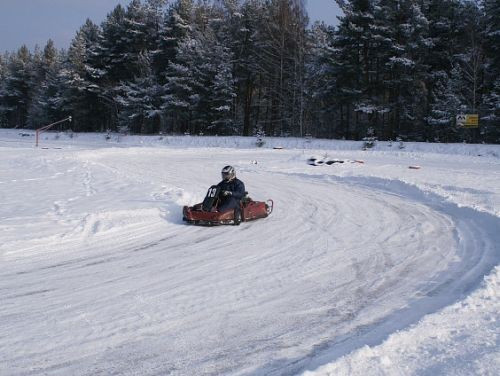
[139, 290]
[477, 243]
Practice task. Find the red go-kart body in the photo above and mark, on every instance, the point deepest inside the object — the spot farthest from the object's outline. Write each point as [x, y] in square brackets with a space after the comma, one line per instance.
[206, 214]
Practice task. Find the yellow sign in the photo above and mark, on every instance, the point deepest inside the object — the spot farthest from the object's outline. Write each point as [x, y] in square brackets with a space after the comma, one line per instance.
[468, 121]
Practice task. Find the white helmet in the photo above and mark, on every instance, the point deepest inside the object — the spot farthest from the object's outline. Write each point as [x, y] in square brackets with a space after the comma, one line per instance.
[228, 173]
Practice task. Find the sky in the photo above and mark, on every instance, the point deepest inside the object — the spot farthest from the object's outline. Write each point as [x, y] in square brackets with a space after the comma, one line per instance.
[33, 22]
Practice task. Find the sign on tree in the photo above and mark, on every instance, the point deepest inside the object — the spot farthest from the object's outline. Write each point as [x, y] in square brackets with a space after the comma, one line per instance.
[468, 121]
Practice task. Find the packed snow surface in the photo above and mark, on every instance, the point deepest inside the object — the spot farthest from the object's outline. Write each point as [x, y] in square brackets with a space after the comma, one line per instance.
[370, 268]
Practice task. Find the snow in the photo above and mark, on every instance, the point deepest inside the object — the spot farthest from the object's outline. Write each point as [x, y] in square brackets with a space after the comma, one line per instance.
[363, 268]
[402, 61]
[462, 339]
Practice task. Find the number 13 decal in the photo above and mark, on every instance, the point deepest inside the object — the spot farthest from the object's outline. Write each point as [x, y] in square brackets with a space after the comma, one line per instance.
[212, 192]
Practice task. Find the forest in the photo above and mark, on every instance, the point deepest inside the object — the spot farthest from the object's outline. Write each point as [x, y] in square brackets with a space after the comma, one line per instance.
[390, 69]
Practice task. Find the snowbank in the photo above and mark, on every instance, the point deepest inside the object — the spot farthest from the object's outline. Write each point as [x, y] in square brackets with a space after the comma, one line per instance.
[462, 339]
[26, 137]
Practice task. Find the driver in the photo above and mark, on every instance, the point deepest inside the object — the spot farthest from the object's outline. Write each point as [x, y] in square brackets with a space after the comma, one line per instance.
[232, 191]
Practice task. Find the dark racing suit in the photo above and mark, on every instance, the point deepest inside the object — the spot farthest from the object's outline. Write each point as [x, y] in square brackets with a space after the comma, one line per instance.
[232, 201]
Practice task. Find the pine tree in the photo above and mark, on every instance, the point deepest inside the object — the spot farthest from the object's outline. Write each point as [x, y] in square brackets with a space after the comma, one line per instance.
[139, 101]
[446, 104]
[490, 115]
[404, 68]
[3, 75]
[46, 105]
[443, 17]
[3, 67]
[179, 91]
[358, 66]
[218, 39]
[221, 92]
[403, 29]
[16, 90]
[136, 38]
[469, 61]
[154, 19]
[243, 23]
[321, 77]
[175, 28]
[110, 55]
[280, 48]
[80, 79]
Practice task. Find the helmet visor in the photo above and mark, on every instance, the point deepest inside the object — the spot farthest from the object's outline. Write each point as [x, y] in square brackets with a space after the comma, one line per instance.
[226, 175]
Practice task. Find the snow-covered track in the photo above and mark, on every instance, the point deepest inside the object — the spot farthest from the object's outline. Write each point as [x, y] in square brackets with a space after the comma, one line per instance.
[99, 274]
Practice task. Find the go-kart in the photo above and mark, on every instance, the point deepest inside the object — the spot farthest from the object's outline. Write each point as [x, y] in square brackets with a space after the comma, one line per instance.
[206, 213]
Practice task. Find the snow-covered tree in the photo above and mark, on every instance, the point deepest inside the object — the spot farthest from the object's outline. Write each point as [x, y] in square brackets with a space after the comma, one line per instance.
[322, 94]
[280, 48]
[3, 73]
[469, 61]
[175, 28]
[46, 103]
[402, 67]
[443, 16]
[180, 96]
[16, 90]
[242, 25]
[490, 115]
[446, 104]
[404, 31]
[356, 67]
[139, 101]
[222, 92]
[199, 82]
[80, 80]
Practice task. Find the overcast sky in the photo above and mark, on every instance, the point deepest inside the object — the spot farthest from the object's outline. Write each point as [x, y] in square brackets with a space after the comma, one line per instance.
[33, 22]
